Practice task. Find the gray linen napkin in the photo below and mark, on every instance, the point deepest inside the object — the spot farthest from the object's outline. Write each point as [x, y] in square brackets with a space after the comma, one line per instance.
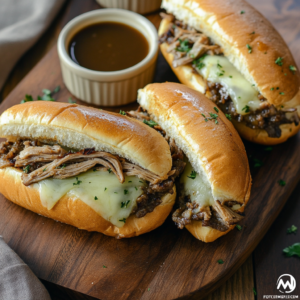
[22, 22]
[17, 281]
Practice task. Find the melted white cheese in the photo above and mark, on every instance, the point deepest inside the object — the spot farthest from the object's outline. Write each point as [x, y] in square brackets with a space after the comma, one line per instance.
[240, 90]
[100, 190]
[198, 189]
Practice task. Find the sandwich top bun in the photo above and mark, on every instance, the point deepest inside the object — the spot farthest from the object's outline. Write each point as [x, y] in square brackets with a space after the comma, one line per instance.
[194, 80]
[213, 147]
[235, 24]
[81, 127]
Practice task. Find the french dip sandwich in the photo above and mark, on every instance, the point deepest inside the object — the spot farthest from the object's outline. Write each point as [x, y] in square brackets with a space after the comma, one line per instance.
[86, 167]
[215, 184]
[228, 51]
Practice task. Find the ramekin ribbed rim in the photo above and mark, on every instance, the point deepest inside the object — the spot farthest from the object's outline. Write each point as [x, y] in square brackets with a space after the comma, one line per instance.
[79, 22]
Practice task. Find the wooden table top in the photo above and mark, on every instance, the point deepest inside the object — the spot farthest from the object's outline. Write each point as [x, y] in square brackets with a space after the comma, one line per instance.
[267, 263]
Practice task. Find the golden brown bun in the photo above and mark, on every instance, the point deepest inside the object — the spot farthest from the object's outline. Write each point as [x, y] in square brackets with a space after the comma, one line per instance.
[215, 151]
[187, 76]
[80, 127]
[223, 22]
[75, 212]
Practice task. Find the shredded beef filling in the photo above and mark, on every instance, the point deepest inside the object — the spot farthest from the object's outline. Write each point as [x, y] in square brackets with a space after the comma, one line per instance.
[187, 45]
[219, 216]
[40, 161]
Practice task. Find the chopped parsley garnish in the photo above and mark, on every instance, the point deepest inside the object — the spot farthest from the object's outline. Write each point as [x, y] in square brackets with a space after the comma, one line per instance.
[216, 109]
[125, 204]
[292, 229]
[115, 193]
[96, 198]
[94, 170]
[27, 98]
[249, 48]
[242, 12]
[246, 109]
[47, 95]
[105, 267]
[109, 170]
[141, 181]
[148, 289]
[26, 169]
[268, 148]
[253, 32]
[220, 74]
[193, 175]
[277, 88]
[272, 89]
[123, 220]
[136, 188]
[184, 46]
[281, 93]
[70, 100]
[56, 90]
[228, 116]
[205, 119]
[150, 123]
[44, 169]
[77, 181]
[293, 68]
[129, 181]
[198, 63]
[213, 116]
[220, 261]
[279, 61]
[257, 163]
[292, 250]
[105, 189]
[254, 292]
[125, 192]
[230, 76]
[62, 166]
[122, 113]
[238, 227]
[281, 182]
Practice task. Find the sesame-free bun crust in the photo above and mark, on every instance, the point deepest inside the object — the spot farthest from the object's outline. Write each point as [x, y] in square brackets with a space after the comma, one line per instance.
[190, 78]
[75, 212]
[215, 151]
[223, 22]
[80, 127]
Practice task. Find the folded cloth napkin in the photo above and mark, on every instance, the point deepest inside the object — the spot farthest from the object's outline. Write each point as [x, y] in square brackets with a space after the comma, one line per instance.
[17, 281]
[21, 24]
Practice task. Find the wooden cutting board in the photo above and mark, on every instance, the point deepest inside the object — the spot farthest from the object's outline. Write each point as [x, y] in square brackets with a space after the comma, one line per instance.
[166, 263]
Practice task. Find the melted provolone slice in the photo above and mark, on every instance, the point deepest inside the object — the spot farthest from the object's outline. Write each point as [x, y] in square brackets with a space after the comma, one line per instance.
[100, 190]
[218, 69]
[198, 189]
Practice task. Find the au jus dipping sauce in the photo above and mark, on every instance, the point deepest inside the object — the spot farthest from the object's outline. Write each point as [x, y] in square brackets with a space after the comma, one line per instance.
[108, 47]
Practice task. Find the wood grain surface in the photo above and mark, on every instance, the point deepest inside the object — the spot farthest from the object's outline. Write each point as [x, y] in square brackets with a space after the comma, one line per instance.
[166, 263]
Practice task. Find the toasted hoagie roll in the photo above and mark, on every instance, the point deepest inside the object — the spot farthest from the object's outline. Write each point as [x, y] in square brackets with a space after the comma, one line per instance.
[215, 185]
[230, 52]
[93, 169]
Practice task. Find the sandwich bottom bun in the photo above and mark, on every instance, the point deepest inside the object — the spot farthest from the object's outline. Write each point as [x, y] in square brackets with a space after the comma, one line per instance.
[190, 78]
[74, 212]
[206, 233]
[261, 136]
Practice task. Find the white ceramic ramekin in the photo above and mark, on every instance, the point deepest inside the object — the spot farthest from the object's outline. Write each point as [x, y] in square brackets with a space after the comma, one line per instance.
[107, 88]
[139, 6]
